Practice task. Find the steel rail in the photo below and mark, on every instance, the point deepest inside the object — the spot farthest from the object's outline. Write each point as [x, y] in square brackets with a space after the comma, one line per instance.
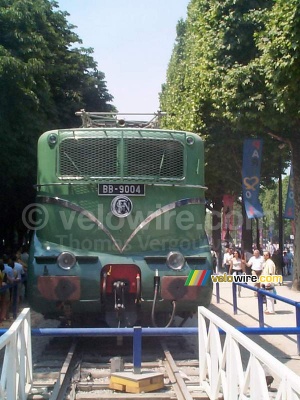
[65, 375]
[177, 381]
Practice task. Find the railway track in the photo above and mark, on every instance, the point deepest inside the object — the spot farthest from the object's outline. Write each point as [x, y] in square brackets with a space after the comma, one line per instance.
[81, 369]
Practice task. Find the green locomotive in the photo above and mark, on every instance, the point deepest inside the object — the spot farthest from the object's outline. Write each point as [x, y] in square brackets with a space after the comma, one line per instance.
[120, 213]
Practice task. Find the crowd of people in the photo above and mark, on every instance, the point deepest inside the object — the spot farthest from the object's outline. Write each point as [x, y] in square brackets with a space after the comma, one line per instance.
[259, 264]
[283, 263]
[13, 270]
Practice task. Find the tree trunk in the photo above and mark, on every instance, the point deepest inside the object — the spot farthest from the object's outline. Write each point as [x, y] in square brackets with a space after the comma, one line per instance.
[295, 146]
[247, 238]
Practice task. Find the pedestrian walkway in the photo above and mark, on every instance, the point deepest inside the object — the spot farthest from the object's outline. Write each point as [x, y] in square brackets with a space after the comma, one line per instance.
[284, 348]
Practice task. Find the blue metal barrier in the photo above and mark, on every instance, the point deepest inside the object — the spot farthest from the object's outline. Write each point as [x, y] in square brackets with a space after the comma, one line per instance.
[218, 292]
[260, 296]
[137, 349]
[108, 332]
[138, 332]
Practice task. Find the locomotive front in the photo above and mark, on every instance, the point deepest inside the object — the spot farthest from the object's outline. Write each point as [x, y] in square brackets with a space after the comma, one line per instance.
[120, 214]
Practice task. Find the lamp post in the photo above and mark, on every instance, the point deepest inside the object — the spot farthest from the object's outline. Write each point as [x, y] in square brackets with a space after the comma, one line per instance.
[282, 144]
[280, 220]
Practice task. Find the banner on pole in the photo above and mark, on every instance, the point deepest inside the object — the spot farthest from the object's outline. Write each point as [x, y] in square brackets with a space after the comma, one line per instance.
[289, 204]
[252, 155]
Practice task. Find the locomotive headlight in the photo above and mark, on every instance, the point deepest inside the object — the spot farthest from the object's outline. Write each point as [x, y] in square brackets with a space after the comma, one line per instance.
[190, 140]
[66, 260]
[52, 139]
[175, 260]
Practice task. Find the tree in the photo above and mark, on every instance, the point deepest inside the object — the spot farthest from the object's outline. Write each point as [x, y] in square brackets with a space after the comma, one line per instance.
[270, 203]
[216, 39]
[264, 92]
[44, 79]
[280, 60]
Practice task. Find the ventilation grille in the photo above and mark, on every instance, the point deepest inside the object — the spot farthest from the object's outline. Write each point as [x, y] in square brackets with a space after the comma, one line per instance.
[103, 157]
[88, 157]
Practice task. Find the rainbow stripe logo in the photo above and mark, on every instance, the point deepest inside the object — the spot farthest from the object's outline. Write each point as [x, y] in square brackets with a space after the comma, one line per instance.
[198, 278]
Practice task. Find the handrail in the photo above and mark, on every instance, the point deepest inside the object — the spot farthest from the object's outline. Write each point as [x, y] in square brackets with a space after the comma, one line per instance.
[221, 367]
[23, 353]
[269, 293]
[260, 295]
[16, 374]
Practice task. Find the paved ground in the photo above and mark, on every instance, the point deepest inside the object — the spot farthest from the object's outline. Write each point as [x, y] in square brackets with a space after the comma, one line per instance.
[36, 319]
[284, 348]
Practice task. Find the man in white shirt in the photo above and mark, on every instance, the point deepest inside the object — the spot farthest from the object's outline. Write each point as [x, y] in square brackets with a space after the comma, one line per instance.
[226, 259]
[256, 264]
[18, 272]
[8, 270]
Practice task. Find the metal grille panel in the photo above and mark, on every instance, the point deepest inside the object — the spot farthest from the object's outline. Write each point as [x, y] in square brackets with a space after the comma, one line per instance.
[154, 158]
[88, 157]
[134, 157]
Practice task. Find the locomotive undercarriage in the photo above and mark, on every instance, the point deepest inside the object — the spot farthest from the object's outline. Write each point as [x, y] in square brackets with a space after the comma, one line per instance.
[122, 297]
[121, 303]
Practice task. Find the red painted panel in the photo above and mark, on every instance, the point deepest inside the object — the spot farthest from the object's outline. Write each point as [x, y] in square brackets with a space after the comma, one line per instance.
[59, 288]
[172, 288]
[121, 272]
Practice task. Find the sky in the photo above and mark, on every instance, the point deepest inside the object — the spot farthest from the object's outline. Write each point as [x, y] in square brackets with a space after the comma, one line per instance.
[132, 41]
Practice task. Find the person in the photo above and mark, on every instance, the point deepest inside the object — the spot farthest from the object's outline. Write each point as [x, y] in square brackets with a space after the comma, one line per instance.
[278, 261]
[22, 258]
[236, 267]
[269, 268]
[270, 248]
[256, 264]
[226, 259]
[18, 272]
[290, 259]
[285, 263]
[4, 296]
[214, 259]
[246, 255]
[8, 269]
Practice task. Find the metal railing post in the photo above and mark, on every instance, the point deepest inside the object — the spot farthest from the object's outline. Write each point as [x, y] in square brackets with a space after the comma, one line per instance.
[234, 300]
[260, 298]
[15, 300]
[137, 349]
[218, 292]
[297, 306]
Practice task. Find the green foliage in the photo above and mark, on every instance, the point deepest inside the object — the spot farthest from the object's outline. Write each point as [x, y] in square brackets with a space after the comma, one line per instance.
[209, 89]
[270, 202]
[44, 79]
[280, 58]
[239, 74]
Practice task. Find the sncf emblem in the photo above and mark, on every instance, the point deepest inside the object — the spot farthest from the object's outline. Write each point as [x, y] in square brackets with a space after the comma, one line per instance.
[121, 206]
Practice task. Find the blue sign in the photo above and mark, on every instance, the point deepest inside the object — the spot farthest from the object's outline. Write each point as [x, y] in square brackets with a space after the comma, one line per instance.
[252, 155]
